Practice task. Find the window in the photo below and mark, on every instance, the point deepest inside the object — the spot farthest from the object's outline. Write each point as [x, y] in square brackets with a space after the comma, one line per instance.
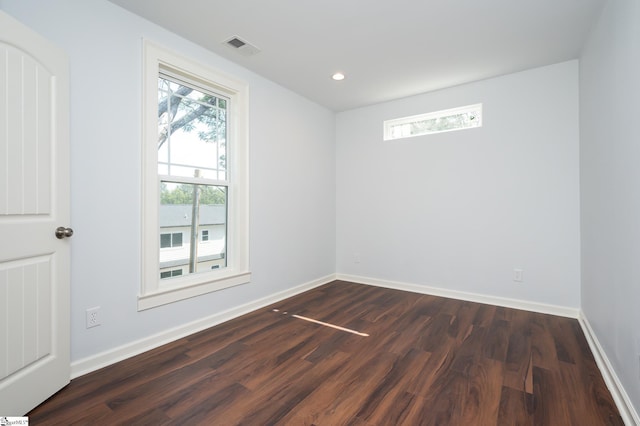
[172, 273]
[195, 176]
[434, 122]
[171, 240]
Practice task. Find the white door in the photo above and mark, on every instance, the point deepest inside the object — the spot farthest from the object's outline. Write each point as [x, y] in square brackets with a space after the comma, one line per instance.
[34, 201]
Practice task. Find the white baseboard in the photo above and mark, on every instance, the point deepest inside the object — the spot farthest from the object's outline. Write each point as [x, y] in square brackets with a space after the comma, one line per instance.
[620, 396]
[103, 359]
[543, 308]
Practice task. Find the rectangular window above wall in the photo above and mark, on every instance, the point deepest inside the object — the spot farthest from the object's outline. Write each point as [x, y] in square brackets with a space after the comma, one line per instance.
[195, 166]
[447, 120]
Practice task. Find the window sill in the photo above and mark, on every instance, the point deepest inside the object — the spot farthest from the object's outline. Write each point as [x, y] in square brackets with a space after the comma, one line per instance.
[174, 294]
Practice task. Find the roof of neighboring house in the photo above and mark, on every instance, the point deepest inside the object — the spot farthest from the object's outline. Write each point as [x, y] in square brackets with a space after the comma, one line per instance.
[180, 214]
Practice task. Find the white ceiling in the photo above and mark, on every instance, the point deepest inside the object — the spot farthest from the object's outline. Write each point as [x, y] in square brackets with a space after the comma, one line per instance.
[387, 49]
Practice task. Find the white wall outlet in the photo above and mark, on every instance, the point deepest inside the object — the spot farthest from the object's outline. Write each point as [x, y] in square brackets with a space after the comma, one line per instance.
[93, 317]
[518, 275]
[356, 257]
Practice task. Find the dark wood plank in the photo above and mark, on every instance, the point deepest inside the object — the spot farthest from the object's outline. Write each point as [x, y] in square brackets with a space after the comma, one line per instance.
[495, 345]
[427, 361]
[550, 398]
[583, 387]
[516, 408]
[518, 350]
[543, 347]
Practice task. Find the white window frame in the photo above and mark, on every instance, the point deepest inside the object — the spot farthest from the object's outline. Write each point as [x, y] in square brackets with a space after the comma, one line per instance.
[389, 124]
[153, 291]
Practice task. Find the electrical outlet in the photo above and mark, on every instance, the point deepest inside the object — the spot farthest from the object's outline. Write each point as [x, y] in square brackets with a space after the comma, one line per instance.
[518, 275]
[93, 317]
[356, 257]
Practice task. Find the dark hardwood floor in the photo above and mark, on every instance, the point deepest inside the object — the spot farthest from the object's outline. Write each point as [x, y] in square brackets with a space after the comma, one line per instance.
[427, 361]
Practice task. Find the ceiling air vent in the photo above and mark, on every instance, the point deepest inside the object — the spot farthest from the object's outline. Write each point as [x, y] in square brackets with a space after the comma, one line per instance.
[241, 46]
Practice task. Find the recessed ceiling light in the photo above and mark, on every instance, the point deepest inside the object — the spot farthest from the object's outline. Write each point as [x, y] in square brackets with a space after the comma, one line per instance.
[338, 76]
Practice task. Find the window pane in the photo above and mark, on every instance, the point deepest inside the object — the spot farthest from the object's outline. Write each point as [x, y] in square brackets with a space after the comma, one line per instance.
[192, 132]
[165, 240]
[187, 211]
[171, 273]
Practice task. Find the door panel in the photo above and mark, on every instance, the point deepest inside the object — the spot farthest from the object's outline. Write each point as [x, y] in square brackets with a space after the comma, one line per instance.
[34, 201]
[26, 284]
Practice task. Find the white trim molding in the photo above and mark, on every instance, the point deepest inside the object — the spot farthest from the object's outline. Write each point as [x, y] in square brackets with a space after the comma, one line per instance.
[620, 396]
[543, 308]
[111, 356]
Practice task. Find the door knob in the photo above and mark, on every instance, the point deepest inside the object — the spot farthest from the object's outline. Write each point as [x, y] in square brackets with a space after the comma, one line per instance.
[62, 232]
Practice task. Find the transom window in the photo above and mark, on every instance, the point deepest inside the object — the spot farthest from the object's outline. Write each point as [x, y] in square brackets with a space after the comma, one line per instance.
[434, 122]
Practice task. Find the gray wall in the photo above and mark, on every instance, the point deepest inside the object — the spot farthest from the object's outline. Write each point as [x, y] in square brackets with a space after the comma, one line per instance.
[292, 174]
[610, 187]
[460, 210]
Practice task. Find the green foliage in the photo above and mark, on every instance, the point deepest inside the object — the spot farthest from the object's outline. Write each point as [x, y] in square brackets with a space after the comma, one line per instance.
[183, 194]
